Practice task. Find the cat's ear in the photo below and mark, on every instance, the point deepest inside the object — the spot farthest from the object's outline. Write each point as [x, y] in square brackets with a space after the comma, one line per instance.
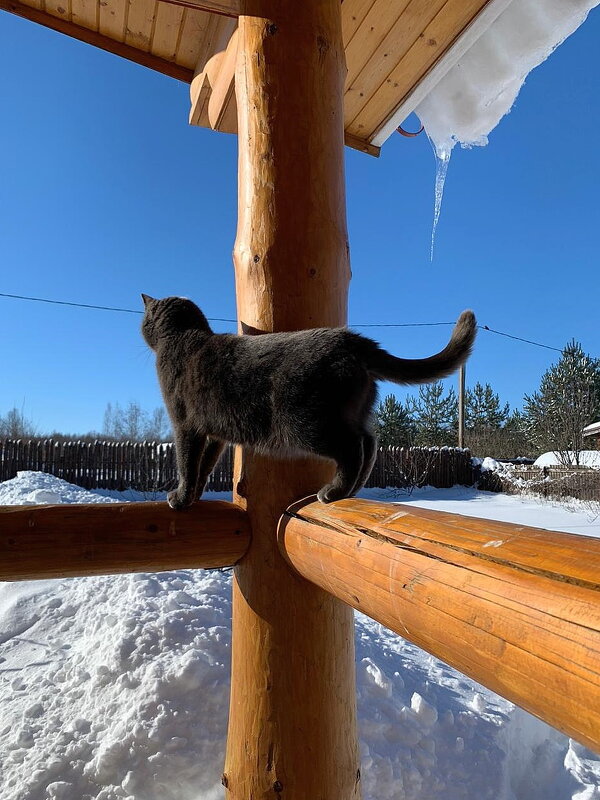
[147, 299]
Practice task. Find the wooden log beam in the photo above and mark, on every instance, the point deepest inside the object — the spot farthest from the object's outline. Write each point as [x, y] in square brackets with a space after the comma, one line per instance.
[292, 721]
[105, 538]
[515, 608]
[213, 101]
[222, 112]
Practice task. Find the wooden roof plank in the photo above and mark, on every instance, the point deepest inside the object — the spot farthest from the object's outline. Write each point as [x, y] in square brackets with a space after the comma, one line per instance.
[429, 46]
[450, 58]
[140, 24]
[97, 40]
[195, 37]
[167, 29]
[371, 33]
[36, 4]
[58, 8]
[85, 13]
[388, 55]
[353, 13]
[113, 18]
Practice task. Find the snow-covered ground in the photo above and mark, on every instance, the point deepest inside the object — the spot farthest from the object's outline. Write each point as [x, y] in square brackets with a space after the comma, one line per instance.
[116, 688]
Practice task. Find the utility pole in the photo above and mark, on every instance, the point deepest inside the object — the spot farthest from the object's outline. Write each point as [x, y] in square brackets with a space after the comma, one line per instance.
[461, 405]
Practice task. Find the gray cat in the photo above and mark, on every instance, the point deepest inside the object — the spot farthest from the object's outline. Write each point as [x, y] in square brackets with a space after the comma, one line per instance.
[307, 391]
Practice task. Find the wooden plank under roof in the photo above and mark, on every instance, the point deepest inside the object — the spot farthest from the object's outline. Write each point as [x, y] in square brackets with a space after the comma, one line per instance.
[391, 46]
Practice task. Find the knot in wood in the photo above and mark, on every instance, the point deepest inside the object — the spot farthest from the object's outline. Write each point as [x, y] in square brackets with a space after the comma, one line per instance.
[323, 45]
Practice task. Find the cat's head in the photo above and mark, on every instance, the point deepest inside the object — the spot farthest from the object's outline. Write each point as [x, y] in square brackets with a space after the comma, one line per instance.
[169, 317]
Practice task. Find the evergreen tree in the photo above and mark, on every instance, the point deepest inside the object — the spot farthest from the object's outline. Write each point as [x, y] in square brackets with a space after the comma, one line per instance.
[483, 409]
[395, 427]
[435, 415]
[568, 399]
[485, 419]
[516, 438]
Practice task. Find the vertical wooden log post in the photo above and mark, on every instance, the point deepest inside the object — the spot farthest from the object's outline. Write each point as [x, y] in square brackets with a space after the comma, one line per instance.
[292, 724]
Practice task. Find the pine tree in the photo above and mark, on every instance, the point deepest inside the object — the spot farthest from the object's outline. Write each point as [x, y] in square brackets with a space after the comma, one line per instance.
[483, 409]
[568, 399]
[395, 427]
[515, 436]
[435, 415]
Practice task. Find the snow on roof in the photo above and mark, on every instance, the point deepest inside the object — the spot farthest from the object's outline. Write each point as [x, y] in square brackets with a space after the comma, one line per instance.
[591, 430]
[474, 95]
[587, 458]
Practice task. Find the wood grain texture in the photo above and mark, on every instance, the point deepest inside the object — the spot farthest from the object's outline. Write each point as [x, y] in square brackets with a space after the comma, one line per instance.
[515, 608]
[377, 55]
[292, 722]
[101, 539]
[226, 8]
[428, 29]
[167, 28]
[353, 13]
[112, 19]
[222, 109]
[85, 13]
[140, 23]
[202, 35]
[98, 40]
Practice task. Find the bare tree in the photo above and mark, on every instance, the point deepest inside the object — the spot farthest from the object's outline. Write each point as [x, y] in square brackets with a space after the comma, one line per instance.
[158, 428]
[15, 425]
[134, 424]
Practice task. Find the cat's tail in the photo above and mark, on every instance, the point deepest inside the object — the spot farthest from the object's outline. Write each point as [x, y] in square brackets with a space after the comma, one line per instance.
[385, 366]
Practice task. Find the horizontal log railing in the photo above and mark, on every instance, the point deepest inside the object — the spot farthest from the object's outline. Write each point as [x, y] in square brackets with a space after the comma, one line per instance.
[106, 538]
[515, 608]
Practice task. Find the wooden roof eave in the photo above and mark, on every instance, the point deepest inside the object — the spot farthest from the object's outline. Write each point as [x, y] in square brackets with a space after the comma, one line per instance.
[396, 50]
[96, 39]
[451, 57]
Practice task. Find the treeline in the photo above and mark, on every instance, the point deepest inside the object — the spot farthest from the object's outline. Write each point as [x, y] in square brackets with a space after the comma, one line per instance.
[130, 423]
[552, 419]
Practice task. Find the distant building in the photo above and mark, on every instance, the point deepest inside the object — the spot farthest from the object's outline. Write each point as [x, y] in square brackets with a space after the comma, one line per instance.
[593, 432]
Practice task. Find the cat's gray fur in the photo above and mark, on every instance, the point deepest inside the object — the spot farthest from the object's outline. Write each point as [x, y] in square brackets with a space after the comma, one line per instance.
[307, 391]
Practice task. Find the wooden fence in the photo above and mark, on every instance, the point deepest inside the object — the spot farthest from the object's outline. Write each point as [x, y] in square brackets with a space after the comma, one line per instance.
[557, 483]
[150, 466]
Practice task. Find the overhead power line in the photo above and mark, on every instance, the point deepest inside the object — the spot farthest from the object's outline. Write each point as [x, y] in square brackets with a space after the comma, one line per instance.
[89, 305]
[225, 319]
[519, 338]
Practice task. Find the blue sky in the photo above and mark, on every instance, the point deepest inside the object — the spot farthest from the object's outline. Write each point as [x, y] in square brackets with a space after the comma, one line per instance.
[105, 192]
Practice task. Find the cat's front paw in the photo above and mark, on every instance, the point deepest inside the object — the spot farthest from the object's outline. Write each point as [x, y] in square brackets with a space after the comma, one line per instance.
[176, 502]
[331, 493]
